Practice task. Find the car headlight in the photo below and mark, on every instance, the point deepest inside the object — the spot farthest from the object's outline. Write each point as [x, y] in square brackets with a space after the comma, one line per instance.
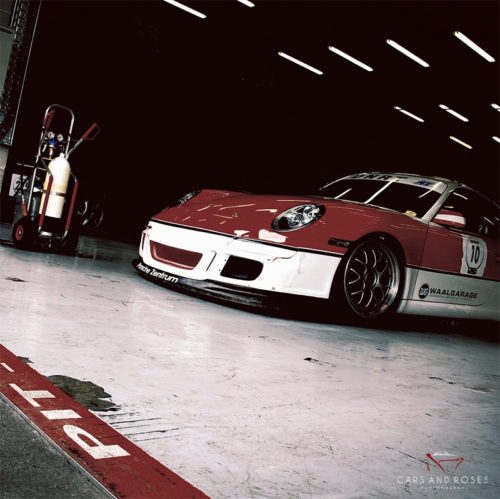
[298, 217]
[184, 199]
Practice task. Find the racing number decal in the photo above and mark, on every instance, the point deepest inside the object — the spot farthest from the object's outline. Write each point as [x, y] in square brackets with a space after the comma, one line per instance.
[474, 256]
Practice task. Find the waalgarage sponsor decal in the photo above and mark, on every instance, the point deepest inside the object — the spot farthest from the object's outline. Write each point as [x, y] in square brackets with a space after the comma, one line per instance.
[164, 276]
[426, 292]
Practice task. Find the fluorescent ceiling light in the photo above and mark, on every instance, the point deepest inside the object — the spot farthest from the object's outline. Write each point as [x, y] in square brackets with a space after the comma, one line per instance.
[458, 141]
[407, 53]
[496, 106]
[300, 63]
[186, 8]
[351, 59]
[454, 113]
[496, 138]
[246, 2]
[473, 46]
[408, 114]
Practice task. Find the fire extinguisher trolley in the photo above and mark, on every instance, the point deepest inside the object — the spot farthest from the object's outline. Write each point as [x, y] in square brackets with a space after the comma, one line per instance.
[45, 201]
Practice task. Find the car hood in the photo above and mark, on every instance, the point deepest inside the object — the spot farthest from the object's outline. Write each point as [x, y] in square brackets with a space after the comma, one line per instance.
[225, 211]
[251, 216]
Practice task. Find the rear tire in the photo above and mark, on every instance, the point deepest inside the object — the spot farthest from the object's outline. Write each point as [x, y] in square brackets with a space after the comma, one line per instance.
[23, 233]
[369, 281]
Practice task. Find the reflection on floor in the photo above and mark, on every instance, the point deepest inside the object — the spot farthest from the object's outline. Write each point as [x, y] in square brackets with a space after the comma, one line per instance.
[246, 405]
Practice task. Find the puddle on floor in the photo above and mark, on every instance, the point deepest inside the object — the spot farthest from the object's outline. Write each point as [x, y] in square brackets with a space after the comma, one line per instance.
[86, 393]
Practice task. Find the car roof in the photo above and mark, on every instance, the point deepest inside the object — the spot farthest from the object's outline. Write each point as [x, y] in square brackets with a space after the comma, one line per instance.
[414, 175]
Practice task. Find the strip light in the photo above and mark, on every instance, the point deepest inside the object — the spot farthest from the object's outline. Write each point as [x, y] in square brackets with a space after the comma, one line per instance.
[186, 8]
[496, 106]
[408, 114]
[350, 59]
[496, 138]
[246, 2]
[473, 46]
[454, 113]
[407, 53]
[458, 141]
[300, 63]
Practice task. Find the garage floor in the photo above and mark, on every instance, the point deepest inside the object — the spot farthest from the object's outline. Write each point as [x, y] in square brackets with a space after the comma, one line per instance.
[245, 405]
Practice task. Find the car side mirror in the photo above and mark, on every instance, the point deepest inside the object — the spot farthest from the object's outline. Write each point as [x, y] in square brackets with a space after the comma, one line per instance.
[450, 218]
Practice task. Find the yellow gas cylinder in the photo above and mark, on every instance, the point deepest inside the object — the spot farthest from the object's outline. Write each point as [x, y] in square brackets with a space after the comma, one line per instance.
[60, 169]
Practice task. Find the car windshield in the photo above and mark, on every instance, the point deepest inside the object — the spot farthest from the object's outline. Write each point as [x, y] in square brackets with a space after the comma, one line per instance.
[411, 195]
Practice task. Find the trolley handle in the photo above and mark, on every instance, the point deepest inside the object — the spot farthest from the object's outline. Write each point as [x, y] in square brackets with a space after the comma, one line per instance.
[48, 119]
[87, 135]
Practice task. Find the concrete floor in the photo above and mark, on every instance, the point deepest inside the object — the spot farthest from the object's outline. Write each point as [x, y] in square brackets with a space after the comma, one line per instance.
[244, 405]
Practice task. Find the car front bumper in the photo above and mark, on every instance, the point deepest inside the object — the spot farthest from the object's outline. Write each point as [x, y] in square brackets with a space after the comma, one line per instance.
[172, 254]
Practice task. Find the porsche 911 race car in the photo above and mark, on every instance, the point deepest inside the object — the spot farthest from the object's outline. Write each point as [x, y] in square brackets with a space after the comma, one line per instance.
[370, 243]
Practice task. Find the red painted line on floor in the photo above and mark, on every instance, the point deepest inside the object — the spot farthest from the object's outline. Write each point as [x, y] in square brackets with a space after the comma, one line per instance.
[122, 467]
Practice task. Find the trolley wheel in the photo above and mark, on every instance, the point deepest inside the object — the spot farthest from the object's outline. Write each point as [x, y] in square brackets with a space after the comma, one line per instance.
[23, 233]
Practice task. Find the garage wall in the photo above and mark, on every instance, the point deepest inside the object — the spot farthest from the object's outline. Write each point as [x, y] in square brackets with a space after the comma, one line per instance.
[5, 49]
[18, 20]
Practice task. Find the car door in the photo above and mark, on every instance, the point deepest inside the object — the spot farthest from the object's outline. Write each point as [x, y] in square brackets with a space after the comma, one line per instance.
[460, 262]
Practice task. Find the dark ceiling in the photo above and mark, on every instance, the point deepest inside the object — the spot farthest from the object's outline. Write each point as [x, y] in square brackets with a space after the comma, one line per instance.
[186, 102]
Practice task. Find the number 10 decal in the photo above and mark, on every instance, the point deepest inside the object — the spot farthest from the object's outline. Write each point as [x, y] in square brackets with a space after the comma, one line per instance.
[474, 256]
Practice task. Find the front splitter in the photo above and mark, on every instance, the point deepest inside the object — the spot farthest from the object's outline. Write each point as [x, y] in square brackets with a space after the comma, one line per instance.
[240, 295]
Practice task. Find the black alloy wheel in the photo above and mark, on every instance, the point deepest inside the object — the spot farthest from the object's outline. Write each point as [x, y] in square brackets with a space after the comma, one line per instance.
[370, 281]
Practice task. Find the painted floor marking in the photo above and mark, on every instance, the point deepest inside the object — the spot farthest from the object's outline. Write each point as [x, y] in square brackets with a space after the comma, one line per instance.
[116, 462]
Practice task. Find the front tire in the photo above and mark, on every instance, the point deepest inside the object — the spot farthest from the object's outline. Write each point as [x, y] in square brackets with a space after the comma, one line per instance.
[370, 280]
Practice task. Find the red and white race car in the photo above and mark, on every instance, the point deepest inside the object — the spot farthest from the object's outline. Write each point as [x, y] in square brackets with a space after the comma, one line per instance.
[370, 243]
